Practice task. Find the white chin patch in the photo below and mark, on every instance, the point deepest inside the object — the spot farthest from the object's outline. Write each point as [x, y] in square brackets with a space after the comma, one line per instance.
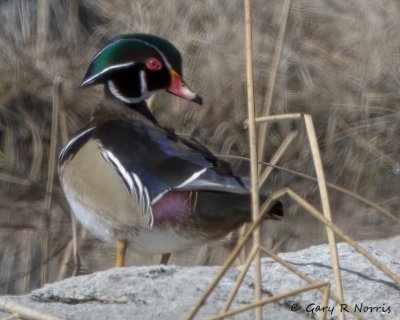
[115, 92]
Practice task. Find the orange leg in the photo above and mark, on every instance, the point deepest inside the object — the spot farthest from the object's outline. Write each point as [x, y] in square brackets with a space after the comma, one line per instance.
[121, 249]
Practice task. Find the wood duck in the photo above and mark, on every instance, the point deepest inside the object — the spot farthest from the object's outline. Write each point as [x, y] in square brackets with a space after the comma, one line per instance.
[130, 181]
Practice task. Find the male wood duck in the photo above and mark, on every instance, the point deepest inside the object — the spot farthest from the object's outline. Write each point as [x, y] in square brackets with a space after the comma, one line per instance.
[130, 181]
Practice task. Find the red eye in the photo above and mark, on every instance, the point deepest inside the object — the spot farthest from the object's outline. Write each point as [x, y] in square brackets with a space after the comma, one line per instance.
[153, 64]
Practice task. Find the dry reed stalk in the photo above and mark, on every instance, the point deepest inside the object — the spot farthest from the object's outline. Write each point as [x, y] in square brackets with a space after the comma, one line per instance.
[264, 176]
[312, 138]
[14, 179]
[72, 247]
[325, 301]
[65, 259]
[277, 156]
[317, 214]
[232, 294]
[63, 121]
[48, 199]
[304, 277]
[269, 300]
[239, 279]
[73, 19]
[369, 147]
[43, 15]
[277, 117]
[366, 103]
[356, 196]
[24, 312]
[57, 102]
[27, 276]
[71, 250]
[272, 78]
[253, 151]
[233, 255]
[263, 211]
[323, 191]
[37, 148]
[352, 194]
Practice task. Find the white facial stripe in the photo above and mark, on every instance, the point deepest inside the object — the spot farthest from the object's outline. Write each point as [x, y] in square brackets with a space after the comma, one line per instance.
[143, 83]
[161, 54]
[72, 141]
[127, 64]
[191, 178]
[113, 67]
[114, 91]
[150, 45]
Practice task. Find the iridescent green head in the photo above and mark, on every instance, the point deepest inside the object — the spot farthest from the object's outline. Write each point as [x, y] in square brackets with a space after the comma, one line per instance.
[133, 66]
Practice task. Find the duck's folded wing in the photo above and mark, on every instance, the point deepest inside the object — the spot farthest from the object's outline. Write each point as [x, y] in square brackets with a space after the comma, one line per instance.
[163, 161]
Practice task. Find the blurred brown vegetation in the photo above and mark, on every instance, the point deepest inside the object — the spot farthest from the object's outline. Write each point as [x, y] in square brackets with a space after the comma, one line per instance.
[340, 63]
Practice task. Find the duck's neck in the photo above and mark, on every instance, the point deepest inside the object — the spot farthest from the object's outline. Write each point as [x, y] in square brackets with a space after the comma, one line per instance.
[143, 109]
[139, 107]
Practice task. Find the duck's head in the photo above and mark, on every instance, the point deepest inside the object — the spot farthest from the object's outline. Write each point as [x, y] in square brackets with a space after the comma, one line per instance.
[133, 66]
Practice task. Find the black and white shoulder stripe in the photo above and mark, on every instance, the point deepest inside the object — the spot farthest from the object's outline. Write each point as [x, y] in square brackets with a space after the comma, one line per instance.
[75, 144]
[135, 187]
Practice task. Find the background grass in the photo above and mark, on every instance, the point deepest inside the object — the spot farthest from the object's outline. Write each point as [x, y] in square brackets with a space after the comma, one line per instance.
[340, 63]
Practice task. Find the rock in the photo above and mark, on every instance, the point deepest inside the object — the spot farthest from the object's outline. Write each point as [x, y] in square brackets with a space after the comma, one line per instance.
[365, 287]
[169, 292]
[389, 245]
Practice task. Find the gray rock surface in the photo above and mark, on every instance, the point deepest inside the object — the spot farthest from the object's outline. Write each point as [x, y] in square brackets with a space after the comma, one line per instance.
[168, 292]
[390, 246]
